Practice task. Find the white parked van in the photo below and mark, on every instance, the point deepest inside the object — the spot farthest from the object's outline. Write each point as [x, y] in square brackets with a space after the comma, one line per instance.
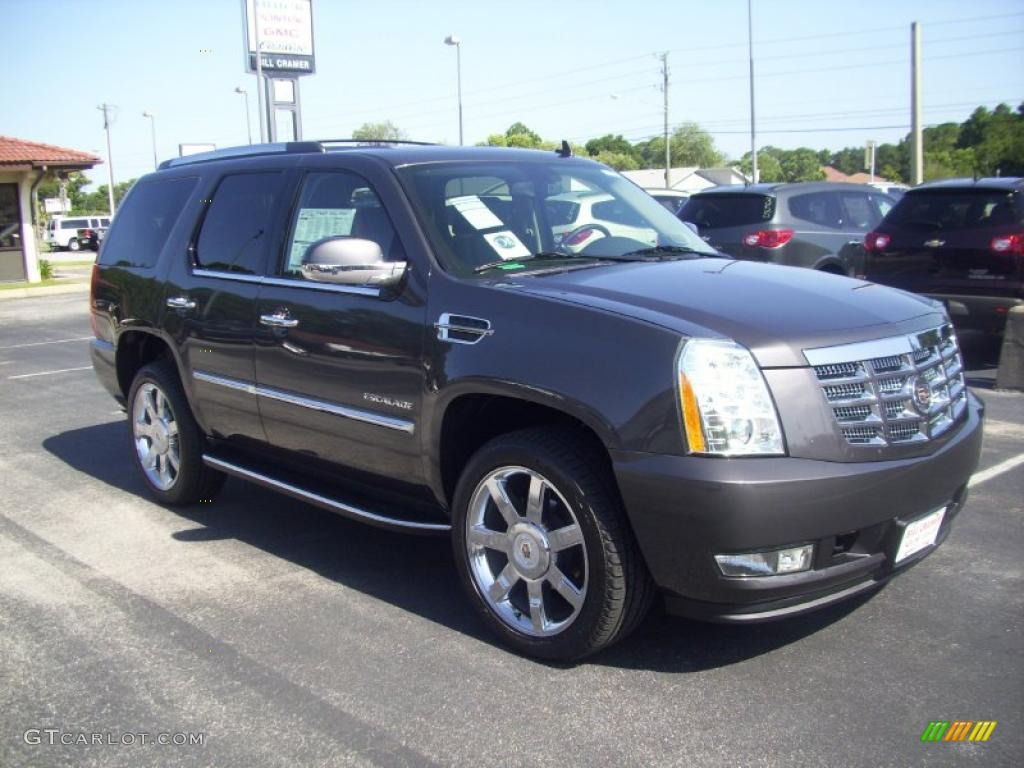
[62, 231]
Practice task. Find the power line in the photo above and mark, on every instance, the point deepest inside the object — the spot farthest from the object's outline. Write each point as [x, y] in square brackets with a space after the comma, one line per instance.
[556, 75]
[691, 81]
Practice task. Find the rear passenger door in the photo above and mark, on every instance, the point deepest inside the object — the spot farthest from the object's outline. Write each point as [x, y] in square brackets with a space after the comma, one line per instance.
[213, 318]
[828, 241]
[338, 368]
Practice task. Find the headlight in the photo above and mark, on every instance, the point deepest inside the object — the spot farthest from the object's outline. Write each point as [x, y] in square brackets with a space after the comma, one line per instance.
[726, 408]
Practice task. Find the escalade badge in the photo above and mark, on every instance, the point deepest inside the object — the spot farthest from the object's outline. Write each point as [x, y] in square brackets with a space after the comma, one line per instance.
[922, 394]
[934, 243]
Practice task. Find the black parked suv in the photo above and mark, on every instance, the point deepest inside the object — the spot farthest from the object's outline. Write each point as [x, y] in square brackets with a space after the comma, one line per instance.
[807, 224]
[400, 334]
[960, 241]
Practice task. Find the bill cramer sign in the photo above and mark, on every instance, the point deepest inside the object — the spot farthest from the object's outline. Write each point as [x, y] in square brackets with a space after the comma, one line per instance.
[286, 36]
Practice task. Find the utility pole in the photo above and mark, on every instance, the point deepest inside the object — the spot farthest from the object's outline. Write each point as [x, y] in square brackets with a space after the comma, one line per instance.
[869, 158]
[753, 136]
[260, 95]
[664, 90]
[152, 126]
[917, 138]
[107, 109]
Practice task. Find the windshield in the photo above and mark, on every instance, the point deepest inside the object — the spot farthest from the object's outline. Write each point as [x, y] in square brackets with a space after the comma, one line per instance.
[954, 209]
[728, 210]
[505, 213]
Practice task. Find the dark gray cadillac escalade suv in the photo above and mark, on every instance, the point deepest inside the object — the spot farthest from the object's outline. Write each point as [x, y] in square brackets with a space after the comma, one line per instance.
[407, 335]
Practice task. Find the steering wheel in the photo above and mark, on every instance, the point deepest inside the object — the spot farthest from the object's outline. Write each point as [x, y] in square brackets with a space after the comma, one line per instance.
[568, 236]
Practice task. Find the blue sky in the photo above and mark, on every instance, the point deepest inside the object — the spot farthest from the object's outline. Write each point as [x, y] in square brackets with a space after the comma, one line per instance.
[829, 74]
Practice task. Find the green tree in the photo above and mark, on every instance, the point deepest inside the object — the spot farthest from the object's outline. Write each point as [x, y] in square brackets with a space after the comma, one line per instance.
[997, 139]
[800, 165]
[689, 145]
[97, 202]
[620, 161]
[521, 136]
[614, 144]
[50, 187]
[379, 131]
[768, 168]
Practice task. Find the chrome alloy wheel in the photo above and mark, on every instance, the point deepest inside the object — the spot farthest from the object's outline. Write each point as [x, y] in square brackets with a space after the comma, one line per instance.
[526, 551]
[155, 431]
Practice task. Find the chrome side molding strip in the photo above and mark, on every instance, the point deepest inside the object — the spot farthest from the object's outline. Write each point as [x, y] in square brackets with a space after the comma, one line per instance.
[358, 290]
[341, 508]
[367, 417]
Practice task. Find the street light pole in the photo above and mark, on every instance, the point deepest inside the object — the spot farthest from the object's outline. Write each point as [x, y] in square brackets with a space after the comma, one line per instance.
[457, 42]
[753, 137]
[152, 128]
[248, 123]
[106, 109]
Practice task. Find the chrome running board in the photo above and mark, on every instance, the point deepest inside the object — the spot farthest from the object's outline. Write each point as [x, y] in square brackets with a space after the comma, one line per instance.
[334, 505]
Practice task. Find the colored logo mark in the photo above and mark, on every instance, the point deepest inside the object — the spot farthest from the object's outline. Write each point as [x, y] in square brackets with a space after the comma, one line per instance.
[958, 730]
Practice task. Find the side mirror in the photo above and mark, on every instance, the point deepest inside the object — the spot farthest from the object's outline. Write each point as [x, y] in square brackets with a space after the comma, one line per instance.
[350, 261]
[694, 227]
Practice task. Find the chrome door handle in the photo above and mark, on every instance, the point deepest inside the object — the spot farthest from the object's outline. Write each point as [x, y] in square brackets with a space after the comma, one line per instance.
[279, 320]
[855, 242]
[181, 302]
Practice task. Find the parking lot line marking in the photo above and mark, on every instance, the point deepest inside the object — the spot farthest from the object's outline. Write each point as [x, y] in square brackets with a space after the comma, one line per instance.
[41, 343]
[998, 469]
[50, 373]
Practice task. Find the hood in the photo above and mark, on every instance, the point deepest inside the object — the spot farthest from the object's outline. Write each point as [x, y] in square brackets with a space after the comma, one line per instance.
[774, 311]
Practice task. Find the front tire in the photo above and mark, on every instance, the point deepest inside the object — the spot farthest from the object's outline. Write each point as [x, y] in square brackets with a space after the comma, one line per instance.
[73, 244]
[166, 440]
[543, 547]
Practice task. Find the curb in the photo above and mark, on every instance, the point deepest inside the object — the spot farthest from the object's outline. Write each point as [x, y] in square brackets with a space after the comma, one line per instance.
[50, 290]
[1011, 357]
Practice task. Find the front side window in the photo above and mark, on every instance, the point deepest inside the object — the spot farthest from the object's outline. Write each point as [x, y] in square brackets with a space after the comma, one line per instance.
[144, 222]
[480, 215]
[235, 235]
[338, 204]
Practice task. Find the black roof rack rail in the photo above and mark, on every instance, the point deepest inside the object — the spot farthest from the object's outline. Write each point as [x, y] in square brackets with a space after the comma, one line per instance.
[366, 142]
[253, 150]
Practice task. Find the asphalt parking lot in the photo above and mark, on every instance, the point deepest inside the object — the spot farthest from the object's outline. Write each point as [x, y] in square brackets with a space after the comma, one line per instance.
[288, 636]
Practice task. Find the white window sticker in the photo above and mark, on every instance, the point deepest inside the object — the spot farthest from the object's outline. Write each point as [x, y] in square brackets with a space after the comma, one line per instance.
[475, 211]
[507, 245]
[315, 224]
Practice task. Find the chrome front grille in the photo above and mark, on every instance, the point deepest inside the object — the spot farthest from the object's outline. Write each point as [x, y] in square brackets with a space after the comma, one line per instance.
[894, 391]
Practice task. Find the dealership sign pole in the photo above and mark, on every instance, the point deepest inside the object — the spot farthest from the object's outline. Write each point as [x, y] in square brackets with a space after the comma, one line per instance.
[279, 49]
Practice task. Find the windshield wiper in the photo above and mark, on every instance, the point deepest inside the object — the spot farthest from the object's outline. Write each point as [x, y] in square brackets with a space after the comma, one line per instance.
[542, 255]
[670, 250]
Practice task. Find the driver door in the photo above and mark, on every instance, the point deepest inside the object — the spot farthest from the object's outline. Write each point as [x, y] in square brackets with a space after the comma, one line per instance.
[338, 368]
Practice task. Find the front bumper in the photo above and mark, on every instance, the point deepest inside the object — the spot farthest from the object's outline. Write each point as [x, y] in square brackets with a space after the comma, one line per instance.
[686, 509]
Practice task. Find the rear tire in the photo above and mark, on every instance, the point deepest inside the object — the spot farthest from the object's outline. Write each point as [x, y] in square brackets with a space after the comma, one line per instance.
[167, 442]
[543, 547]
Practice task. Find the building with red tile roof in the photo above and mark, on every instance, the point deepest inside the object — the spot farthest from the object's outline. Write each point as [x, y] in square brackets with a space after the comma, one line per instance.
[23, 166]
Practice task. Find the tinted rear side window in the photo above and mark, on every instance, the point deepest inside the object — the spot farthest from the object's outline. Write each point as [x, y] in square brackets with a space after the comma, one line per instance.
[235, 236]
[74, 223]
[144, 222]
[955, 209]
[715, 211]
[820, 208]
